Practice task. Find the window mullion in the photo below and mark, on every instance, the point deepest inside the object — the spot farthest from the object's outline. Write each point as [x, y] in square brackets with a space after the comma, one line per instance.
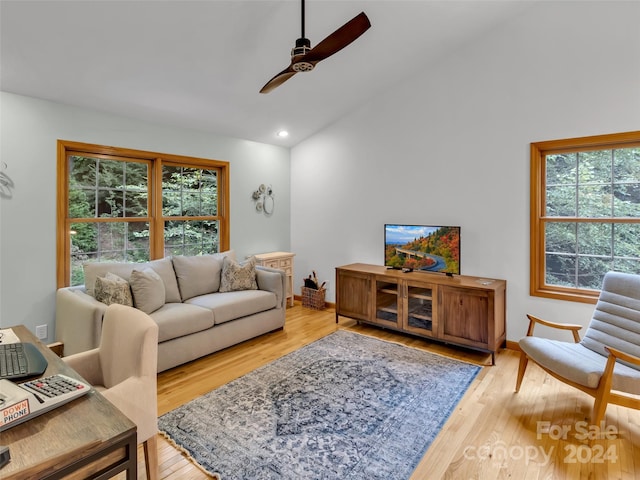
[125, 240]
[156, 222]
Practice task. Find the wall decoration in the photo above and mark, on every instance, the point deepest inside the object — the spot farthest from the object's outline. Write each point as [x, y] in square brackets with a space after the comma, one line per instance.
[6, 184]
[263, 197]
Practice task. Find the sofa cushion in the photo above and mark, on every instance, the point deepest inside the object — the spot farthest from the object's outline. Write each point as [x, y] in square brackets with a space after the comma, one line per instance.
[231, 305]
[148, 290]
[237, 276]
[178, 319]
[163, 267]
[200, 274]
[113, 289]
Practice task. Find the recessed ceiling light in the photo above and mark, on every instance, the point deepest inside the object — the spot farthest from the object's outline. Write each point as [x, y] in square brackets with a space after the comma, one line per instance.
[283, 133]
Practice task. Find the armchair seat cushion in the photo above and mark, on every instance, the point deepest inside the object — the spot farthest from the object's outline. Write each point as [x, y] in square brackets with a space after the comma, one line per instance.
[578, 364]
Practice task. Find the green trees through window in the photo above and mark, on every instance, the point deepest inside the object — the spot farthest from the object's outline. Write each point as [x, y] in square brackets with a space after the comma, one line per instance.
[116, 190]
[123, 205]
[190, 192]
[585, 211]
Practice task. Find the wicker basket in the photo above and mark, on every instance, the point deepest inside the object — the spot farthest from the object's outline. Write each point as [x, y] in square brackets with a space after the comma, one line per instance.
[312, 298]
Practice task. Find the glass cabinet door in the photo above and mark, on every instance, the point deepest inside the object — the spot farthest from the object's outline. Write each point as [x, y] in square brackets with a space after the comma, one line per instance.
[387, 303]
[419, 308]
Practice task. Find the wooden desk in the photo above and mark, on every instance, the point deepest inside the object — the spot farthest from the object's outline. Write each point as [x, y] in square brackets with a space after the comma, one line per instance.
[85, 438]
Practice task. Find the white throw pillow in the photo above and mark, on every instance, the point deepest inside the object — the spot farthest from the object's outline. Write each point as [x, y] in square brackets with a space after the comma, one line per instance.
[237, 276]
[148, 290]
[113, 289]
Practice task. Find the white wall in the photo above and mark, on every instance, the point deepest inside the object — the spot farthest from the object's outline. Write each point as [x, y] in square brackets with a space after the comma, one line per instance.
[451, 146]
[28, 133]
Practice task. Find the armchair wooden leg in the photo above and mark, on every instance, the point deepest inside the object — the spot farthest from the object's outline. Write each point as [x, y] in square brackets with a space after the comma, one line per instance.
[524, 361]
[151, 457]
[603, 391]
[600, 405]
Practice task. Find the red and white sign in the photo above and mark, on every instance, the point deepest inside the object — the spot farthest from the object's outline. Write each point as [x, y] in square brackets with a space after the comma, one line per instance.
[15, 412]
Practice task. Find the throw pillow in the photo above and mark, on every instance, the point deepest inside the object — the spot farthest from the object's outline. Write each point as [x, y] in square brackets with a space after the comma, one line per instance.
[164, 268]
[93, 270]
[237, 276]
[113, 289]
[148, 290]
[199, 274]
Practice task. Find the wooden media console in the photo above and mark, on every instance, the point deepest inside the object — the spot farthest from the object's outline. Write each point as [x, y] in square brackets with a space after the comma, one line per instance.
[460, 310]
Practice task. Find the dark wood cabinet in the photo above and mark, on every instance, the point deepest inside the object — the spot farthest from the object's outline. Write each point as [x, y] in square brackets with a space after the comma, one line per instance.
[461, 310]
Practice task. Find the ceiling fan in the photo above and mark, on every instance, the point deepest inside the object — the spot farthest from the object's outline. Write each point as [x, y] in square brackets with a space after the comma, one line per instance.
[304, 58]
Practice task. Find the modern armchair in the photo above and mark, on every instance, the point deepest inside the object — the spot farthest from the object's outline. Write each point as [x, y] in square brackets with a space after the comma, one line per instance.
[124, 369]
[606, 362]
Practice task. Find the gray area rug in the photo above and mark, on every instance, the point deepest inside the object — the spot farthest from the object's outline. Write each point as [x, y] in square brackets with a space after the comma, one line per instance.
[347, 406]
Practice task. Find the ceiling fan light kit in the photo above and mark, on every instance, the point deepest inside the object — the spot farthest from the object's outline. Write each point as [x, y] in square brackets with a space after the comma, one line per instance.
[302, 66]
[304, 58]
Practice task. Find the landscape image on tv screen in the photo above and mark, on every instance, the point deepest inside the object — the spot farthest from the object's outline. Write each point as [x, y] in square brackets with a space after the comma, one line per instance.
[422, 247]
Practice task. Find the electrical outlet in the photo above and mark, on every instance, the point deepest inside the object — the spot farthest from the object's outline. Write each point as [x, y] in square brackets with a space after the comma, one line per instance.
[41, 332]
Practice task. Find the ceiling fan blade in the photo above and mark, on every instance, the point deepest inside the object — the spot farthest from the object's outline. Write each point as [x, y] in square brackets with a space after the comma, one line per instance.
[339, 39]
[278, 80]
[304, 58]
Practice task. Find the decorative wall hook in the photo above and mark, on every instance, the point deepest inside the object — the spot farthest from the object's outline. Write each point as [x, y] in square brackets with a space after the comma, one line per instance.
[263, 197]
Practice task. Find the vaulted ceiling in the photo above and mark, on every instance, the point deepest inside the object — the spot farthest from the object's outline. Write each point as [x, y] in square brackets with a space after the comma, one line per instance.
[200, 64]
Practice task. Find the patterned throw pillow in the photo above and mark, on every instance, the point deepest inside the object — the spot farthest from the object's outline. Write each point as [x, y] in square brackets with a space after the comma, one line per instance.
[236, 276]
[113, 289]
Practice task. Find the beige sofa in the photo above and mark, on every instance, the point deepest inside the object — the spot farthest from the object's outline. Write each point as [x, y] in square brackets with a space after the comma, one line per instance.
[201, 304]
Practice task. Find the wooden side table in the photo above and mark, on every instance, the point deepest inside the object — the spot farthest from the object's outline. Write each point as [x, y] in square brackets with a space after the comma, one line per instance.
[282, 261]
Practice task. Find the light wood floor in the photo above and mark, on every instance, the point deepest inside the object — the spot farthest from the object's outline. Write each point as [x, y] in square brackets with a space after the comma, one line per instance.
[493, 433]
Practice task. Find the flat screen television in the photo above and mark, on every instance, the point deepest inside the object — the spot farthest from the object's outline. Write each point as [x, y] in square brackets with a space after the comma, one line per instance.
[426, 248]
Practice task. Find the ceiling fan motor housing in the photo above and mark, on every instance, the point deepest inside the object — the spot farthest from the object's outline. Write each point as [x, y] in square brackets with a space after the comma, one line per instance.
[303, 45]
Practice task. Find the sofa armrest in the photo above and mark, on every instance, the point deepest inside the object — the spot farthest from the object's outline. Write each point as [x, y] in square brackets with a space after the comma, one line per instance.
[78, 320]
[273, 280]
[87, 365]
